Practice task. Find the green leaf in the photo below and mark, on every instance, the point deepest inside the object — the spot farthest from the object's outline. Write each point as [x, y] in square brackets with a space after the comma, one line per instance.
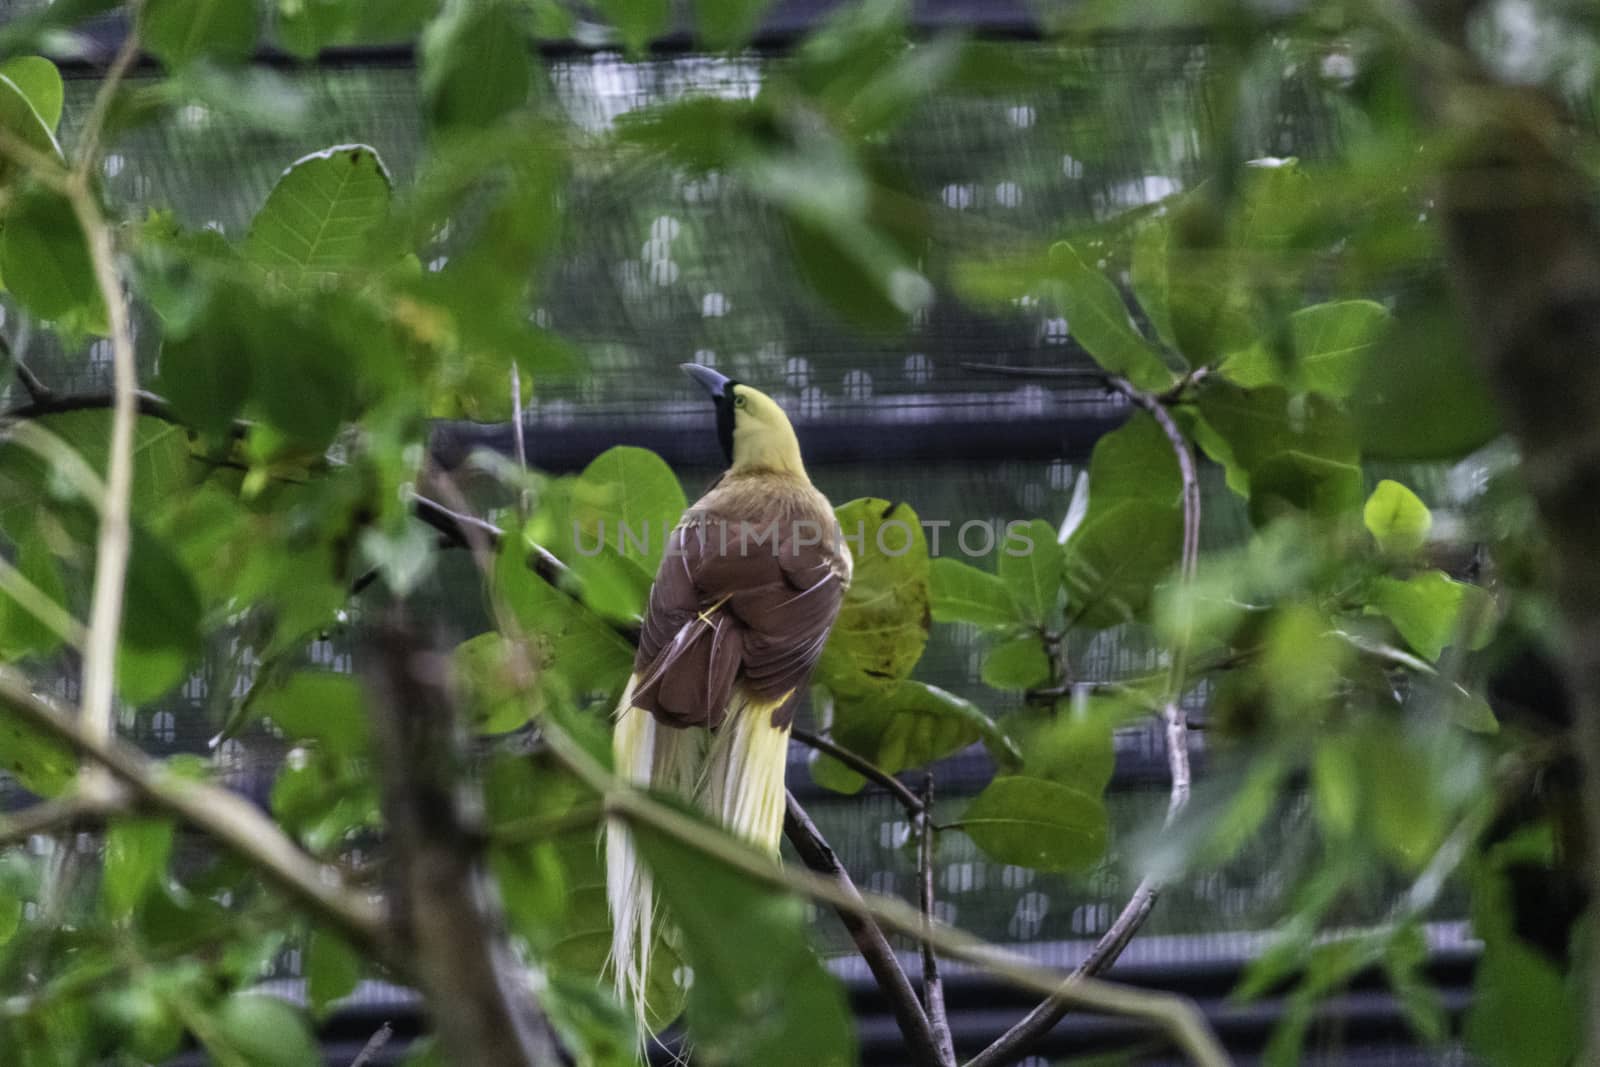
[1030, 566]
[321, 707]
[1148, 276]
[727, 24]
[256, 1030]
[180, 31]
[332, 970]
[19, 117]
[496, 677]
[205, 371]
[1037, 823]
[1295, 481]
[1421, 395]
[475, 66]
[45, 259]
[1329, 345]
[1522, 1014]
[40, 82]
[1099, 321]
[40, 763]
[1020, 663]
[908, 725]
[638, 22]
[21, 633]
[160, 621]
[1433, 610]
[1244, 429]
[759, 995]
[585, 652]
[632, 498]
[883, 623]
[1135, 462]
[136, 857]
[1397, 519]
[963, 593]
[1114, 560]
[1075, 746]
[319, 218]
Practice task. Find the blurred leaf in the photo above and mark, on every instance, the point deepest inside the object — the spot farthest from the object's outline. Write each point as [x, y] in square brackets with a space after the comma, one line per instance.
[1295, 481]
[963, 593]
[41, 764]
[257, 1030]
[1430, 611]
[582, 649]
[306, 27]
[1074, 746]
[909, 725]
[1099, 321]
[45, 259]
[883, 624]
[1020, 663]
[1032, 570]
[1037, 823]
[321, 707]
[728, 24]
[1135, 461]
[179, 31]
[632, 498]
[205, 370]
[496, 679]
[136, 856]
[638, 22]
[40, 84]
[1148, 276]
[1421, 396]
[19, 118]
[21, 633]
[1115, 558]
[760, 995]
[475, 66]
[1329, 344]
[1245, 429]
[332, 970]
[160, 621]
[1397, 519]
[320, 216]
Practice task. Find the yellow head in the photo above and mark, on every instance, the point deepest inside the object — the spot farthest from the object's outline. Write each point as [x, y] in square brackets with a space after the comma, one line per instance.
[754, 432]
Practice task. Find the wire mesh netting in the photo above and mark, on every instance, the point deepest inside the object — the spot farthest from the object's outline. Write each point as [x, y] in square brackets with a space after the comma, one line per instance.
[657, 268]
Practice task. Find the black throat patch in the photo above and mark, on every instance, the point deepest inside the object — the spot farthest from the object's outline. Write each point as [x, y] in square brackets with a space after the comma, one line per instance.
[724, 403]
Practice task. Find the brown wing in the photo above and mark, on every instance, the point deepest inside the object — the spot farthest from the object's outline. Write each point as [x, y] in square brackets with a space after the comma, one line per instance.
[736, 600]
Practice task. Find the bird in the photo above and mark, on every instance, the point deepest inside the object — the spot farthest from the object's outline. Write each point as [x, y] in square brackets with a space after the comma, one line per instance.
[745, 596]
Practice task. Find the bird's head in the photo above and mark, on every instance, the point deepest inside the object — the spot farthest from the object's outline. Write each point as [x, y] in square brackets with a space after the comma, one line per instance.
[752, 428]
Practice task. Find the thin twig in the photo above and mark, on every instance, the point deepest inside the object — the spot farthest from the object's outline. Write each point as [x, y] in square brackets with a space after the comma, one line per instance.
[94, 125]
[867, 935]
[36, 388]
[932, 981]
[228, 818]
[861, 765]
[1015, 1042]
[51, 816]
[1176, 1016]
[374, 1045]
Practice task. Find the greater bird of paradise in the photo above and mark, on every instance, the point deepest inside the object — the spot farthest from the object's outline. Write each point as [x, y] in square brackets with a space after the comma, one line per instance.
[739, 612]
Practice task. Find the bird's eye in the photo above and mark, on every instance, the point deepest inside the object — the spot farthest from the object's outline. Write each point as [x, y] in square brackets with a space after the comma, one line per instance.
[738, 400]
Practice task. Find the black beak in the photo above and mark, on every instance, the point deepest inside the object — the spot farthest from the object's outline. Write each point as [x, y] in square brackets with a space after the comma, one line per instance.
[718, 385]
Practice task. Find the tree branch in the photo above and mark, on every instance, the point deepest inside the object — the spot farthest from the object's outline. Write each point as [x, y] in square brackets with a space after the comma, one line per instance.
[52, 816]
[1015, 1042]
[1174, 1015]
[862, 766]
[445, 911]
[875, 950]
[229, 819]
[932, 982]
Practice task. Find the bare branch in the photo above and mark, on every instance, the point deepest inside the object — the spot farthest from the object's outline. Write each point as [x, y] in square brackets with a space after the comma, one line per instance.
[94, 125]
[932, 981]
[229, 819]
[447, 915]
[51, 816]
[861, 765]
[1174, 1015]
[875, 950]
[1015, 1042]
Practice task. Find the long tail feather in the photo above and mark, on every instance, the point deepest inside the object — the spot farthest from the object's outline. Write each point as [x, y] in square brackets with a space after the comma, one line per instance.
[735, 775]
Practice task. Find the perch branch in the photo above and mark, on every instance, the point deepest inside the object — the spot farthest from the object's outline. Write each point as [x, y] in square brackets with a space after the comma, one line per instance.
[226, 817]
[1174, 1015]
[932, 981]
[862, 766]
[1015, 1042]
[867, 935]
[51, 816]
